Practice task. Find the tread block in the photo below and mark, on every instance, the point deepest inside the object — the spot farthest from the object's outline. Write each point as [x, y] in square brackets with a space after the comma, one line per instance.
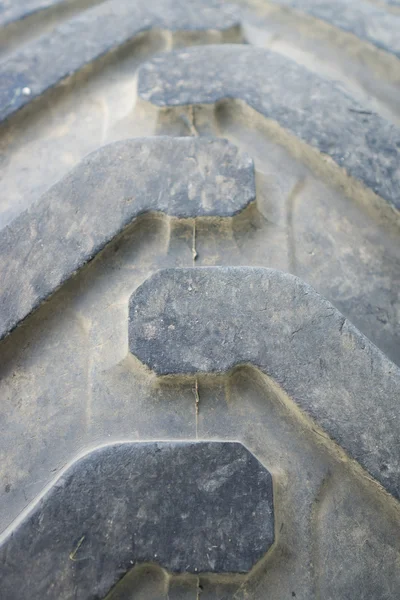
[367, 22]
[214, 318]
[311, 108]
[190, 507]
[41, 65]
[15, 11]
[76, 218]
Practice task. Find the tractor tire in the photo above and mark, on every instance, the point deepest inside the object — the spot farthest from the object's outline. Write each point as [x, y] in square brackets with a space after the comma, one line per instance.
[199, 300]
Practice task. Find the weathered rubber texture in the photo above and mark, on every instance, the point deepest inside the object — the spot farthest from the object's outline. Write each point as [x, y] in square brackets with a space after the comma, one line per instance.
[43, 64]
[186, 321]
[11, 11]
[76, 218]
[311, 108]
[367, 22]
[188, 507]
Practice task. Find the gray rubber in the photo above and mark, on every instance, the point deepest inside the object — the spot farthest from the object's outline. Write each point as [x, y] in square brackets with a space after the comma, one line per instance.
[11, 12]
[361, 18]
[312, 109]
[29, 73]
[89, 538]
[181, 417]
[214, 319]
[49, 242]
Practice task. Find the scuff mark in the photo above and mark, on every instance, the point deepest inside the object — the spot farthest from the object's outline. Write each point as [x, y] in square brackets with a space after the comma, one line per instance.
[296, 331]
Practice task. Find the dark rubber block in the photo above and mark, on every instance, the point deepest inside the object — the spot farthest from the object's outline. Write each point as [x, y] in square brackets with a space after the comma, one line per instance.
[311, 108]
[76, 218]
[212, 319]
[44, 63]
[188, 507]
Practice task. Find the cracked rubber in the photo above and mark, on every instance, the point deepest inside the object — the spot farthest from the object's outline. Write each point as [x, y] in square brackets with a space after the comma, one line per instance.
[199, 309]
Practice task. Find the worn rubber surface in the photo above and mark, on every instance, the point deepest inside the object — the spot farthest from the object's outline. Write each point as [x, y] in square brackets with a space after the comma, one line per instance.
[13, 11]
[361, 18]
[199, 309]
[205, 329]
[89, 36]
[182, 489]
[310, 108]
[54, 238]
